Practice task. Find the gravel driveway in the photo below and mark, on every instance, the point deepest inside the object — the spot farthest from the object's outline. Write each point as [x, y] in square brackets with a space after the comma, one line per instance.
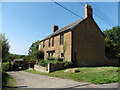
[28, 80]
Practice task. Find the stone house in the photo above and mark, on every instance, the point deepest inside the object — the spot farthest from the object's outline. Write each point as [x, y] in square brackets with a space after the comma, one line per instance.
[81, 42]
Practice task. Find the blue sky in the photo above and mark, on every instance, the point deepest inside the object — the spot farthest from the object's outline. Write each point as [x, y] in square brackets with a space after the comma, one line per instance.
[26, 22]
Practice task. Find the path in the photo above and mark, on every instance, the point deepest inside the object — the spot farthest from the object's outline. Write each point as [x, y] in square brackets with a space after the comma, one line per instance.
[28, 80]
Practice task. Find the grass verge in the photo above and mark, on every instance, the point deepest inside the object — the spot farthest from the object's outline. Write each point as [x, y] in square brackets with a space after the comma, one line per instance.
[7, 80]
[96, 75]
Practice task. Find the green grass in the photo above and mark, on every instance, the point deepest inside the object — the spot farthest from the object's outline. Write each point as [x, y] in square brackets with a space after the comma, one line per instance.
[96, 75]
[7, 80]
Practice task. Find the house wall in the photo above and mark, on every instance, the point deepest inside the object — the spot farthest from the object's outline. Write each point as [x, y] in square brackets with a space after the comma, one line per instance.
[57, 47]
[88, 45]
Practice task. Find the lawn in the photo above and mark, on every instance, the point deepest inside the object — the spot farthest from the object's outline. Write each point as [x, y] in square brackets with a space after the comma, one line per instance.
[96, 75]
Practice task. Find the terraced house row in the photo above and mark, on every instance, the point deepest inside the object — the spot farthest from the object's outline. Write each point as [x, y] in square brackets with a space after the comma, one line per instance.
[81, 42]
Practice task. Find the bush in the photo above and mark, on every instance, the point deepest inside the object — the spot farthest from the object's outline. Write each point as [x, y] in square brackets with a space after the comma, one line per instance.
[67, 64]
[5, 66]
[40, 54]
[44, 63]
[50, 58]
[59, 59]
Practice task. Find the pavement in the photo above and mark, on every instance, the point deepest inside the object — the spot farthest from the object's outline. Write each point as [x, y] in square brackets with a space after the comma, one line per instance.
[29, 80]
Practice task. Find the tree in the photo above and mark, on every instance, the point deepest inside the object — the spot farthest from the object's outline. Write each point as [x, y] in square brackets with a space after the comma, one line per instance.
[4, 46]
[112, 42]
[34, 53]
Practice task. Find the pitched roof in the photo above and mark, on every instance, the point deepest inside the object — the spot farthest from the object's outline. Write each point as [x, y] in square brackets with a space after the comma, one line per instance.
[69, 27]
[66, 28]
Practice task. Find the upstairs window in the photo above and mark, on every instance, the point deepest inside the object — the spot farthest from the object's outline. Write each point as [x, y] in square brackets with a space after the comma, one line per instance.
[49, 43]
[52, 41]
[61, 39]
[43, 44]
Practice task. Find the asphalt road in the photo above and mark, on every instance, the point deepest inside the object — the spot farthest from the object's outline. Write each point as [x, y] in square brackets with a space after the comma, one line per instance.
[28, 80]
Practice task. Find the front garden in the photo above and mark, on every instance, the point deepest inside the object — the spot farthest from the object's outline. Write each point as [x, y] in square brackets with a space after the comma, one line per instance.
[52, 64]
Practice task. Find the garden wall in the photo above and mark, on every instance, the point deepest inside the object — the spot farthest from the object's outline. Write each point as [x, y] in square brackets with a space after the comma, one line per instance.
[50, 67]
[53, 67]
[40, 68]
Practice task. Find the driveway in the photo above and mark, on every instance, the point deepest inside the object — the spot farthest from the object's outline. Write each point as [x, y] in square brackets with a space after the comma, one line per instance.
[28, 80]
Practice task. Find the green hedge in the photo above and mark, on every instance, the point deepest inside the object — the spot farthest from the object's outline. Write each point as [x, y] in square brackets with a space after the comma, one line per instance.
[5, 66]
[45, 62]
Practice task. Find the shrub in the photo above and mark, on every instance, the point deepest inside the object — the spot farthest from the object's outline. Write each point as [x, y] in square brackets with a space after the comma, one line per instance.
[5, 66]
[42, 63]
[40, 54]
[67, 64]
[59, 59]
[50, 58]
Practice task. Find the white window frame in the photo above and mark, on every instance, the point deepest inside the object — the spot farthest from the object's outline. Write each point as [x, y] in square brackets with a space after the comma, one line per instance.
[60, 54]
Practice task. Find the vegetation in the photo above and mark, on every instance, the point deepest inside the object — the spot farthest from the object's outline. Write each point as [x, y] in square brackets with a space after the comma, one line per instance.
[5, 66]
[96, 75]
[45, 62]
[112, 42]
[4, 46]
[34, 53]
[7, 80]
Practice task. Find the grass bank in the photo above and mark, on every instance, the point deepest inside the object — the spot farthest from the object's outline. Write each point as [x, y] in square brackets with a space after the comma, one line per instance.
[7, 80]
[96, 75]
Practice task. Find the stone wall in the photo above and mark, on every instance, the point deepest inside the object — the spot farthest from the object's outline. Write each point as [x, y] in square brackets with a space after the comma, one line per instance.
[50, 67]
[53, 67]
[40, 68]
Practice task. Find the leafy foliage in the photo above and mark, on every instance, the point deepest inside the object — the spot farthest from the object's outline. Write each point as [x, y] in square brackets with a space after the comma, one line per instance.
[34, 53]
[7, 80]
[4, 46]
[5, 66]
[45, 62]
[112, 42]
[11, 57]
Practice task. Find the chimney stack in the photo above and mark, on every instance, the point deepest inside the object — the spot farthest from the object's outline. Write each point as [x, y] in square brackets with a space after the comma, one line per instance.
[88, 11]
[55, 28]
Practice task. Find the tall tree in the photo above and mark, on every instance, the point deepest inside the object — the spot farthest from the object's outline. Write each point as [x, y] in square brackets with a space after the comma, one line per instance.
[4, 44]
[34, 53]
[112, 42]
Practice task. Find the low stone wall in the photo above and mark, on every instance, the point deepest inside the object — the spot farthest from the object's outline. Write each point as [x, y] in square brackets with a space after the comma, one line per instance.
[50, 67]
[40, 68]
[53, 67]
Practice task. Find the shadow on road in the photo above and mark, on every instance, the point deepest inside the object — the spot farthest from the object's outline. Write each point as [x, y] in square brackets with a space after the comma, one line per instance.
[4, 87]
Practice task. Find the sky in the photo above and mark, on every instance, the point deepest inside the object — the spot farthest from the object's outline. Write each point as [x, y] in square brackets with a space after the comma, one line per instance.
[26, 22]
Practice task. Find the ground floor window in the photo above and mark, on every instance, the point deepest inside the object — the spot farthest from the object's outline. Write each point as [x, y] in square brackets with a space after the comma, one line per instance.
[50, 53]
[61, 54]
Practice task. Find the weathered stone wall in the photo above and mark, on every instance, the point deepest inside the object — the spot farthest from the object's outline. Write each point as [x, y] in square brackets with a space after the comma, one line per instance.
[53, 67]
[40, 68]
[50, 67]
[88, 45]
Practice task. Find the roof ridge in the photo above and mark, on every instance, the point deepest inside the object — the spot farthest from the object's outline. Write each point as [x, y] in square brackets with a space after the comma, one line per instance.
[65, 28]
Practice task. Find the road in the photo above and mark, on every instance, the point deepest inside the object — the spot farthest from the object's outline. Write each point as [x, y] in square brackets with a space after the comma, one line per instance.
[28, 80]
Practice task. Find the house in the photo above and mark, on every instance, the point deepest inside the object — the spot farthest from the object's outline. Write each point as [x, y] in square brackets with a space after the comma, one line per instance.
[81, 42]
